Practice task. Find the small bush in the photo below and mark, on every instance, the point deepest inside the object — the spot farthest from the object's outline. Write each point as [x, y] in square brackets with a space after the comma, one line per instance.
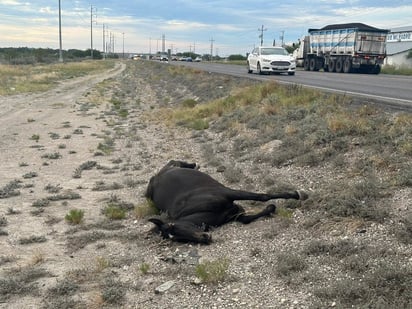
[35, 137]
[114, 212]
[75, 216]
[144, 268]
[54, 135]
[30, 175]
[288, 263]
[107, 146]
[41, 203]
[404, 231]
[102, 263]
[88, 165]
[65, 196]
[405, 176]
[146, 209]
[9, 189]
[113, 292]
[32, 239]
[52, 156]
[212, 271]
[63, 287]
[189, 103]
[341, 248]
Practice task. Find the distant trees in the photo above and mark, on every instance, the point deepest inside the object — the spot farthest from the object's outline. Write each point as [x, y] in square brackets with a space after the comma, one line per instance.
[236, 57]
[26, 55]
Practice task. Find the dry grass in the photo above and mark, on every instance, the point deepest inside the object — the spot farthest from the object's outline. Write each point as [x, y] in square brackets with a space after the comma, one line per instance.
[27, 78]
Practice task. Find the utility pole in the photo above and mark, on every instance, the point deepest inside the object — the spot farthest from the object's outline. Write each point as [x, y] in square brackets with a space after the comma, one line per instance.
[282, 37]
[123, 44]
[113, 51]
[261, 34]
[60, 33]
[163, 44]
[91, 31]
[104, 44]
[211, 48]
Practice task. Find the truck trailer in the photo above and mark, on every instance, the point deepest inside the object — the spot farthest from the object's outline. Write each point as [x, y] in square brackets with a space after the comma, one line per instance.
[347, 48]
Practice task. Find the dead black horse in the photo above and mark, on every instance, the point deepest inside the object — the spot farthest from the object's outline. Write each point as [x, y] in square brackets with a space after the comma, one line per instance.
[193, 202]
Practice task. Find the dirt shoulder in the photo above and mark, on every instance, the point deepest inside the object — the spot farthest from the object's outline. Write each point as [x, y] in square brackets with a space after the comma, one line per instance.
[74, 148]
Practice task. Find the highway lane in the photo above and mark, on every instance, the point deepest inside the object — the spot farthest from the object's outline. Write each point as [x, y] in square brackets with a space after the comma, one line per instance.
[395, 90]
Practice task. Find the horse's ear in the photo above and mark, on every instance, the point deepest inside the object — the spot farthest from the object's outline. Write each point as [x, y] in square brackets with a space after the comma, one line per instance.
[157, 222]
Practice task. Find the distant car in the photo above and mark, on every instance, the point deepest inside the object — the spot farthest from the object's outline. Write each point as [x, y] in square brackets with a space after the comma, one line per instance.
[198, 59]
[164, 57]
[271, 60]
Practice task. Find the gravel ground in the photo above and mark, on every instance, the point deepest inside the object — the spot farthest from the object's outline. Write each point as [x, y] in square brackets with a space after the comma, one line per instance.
[101, 263]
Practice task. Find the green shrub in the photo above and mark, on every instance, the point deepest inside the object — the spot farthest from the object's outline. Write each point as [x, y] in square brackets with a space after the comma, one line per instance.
[114, 212]
[212, 271]
[35, 137]
[144, 268]
[189, 103]
[146, 209]
[75, 216]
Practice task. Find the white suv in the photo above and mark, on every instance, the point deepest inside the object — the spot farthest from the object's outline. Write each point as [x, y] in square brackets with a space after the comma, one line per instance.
[271, 60]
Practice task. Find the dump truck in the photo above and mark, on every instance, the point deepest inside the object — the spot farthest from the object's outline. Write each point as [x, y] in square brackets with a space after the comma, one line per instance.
[353, 47]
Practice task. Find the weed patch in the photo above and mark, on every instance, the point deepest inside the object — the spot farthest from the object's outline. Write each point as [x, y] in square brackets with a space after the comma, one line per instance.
[32, 240]
[212, 271]
[10, 189]
[146, 209]
[75, 216]
[289, 263]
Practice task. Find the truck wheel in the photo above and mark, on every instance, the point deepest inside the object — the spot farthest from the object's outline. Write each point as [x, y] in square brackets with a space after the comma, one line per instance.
[376, 69]
[347, 66]
[312, 65]
[306, 64]
[332, 65]
[339, 65]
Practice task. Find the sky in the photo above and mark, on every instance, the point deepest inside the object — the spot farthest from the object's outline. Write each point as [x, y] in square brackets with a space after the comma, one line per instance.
[225, 27]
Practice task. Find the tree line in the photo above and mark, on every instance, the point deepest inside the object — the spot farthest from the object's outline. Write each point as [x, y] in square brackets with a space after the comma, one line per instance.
[27, 55]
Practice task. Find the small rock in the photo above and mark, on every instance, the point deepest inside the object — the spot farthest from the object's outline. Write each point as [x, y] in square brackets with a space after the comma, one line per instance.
[164, 287]
[196, 281]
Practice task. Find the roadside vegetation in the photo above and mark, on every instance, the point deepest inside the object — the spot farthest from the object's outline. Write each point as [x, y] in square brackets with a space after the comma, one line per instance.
[389, 69]
[16, 79]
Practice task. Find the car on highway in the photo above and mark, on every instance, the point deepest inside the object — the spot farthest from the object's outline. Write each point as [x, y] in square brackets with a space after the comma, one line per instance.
[272, 59]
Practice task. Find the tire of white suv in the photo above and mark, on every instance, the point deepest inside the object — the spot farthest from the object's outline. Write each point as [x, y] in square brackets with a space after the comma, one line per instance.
[258, 69]
[248, 68]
